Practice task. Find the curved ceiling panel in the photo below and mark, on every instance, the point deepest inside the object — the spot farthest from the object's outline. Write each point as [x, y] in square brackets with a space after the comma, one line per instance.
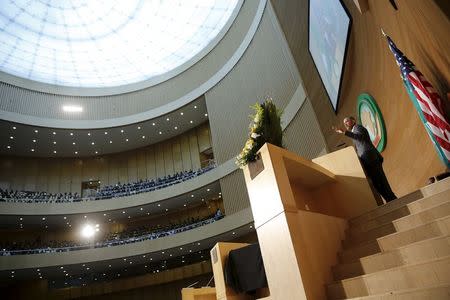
[101, 44]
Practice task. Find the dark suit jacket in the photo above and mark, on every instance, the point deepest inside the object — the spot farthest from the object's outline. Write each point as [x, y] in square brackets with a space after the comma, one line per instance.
[364, 147]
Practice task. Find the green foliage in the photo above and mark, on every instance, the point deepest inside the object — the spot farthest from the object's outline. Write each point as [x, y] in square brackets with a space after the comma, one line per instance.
[265, 127]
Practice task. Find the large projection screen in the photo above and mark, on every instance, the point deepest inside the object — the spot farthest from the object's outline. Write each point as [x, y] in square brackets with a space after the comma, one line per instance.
[329, 29]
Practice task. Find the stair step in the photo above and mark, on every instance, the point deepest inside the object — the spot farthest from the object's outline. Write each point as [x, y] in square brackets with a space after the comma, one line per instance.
[422, 275]
[433, 293]
[387, 216]
[438, 227]
[427, 191]
[402, 224]
[413, 253]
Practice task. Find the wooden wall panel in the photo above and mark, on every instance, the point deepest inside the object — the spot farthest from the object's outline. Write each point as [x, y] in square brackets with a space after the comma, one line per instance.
[185, 153]
[168, 157]
[141, 165]
[159, 159]
[123, 168]
[76, 168]
[177, 160]
[204, 137]
[132, 167]
[193, 145]
[150, 162]
[420, 29]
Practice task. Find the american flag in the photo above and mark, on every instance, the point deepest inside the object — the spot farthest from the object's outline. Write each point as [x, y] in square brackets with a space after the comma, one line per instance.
[427, 101]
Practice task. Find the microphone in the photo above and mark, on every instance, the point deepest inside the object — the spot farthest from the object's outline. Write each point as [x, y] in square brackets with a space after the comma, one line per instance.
[191, 285]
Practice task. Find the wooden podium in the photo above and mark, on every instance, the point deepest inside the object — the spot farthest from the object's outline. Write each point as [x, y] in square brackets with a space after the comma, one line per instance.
[204, 293]
[300, 208]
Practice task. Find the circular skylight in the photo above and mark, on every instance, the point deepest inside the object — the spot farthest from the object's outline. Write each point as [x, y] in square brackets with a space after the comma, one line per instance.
[82, 43]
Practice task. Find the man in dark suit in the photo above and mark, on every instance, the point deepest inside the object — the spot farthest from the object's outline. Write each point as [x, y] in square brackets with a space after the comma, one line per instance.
[369, 156]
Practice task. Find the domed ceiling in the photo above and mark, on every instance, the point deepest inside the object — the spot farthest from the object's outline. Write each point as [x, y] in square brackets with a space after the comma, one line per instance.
[101, 44]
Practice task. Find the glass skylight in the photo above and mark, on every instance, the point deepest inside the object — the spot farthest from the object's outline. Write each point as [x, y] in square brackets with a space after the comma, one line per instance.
[106, 43]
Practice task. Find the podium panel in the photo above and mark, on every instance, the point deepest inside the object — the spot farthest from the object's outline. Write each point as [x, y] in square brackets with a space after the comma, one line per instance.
[204, 293]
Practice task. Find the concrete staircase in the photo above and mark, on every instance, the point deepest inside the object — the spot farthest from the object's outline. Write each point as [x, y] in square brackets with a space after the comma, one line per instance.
[398, 251]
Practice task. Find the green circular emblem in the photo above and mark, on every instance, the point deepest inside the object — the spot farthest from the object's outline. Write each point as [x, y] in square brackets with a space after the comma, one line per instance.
[369, 116]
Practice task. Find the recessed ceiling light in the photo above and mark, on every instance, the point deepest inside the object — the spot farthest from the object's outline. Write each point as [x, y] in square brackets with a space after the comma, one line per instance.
[110, 142]
[141, 208]
[192, 196]
[89, 134]
[208, 190]
[167, 209]
[160, 132]
[175, 127]
[43, 219]
[148, 214]
[92, 143]
[54, 133]
[168, 119]
[159, 204]
[14, 127]
[206, 115]
[21, 219]
[71, 133]
[191, 121]
[61, 267]
[126, 140]
[54, 143]
[11, 137]
[139, 127]
[104, 215]
[32, 150]
[72, 108]
[153, 124]
[36, 131]
[184, 205]
[143, 136]
[85, 217]
[121, 130]
[195, 106]
[34, 141]
[76, 152]
[54, 151]
[9, 147]
[96, 152]
[123, 212]
[181, 113]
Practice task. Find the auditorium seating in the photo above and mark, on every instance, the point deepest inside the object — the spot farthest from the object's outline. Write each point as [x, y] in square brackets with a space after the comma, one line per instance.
[131, 235]
[108, 192]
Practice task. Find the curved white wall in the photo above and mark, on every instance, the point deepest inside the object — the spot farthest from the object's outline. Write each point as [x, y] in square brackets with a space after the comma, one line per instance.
[43, 109]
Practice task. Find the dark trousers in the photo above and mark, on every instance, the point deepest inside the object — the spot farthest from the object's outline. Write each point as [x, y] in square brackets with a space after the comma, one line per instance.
[374, 170]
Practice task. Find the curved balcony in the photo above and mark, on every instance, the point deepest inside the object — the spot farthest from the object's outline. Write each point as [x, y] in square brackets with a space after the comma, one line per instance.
[138, 252]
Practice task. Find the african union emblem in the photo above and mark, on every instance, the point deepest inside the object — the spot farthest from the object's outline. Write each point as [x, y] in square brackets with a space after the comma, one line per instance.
[369, 116]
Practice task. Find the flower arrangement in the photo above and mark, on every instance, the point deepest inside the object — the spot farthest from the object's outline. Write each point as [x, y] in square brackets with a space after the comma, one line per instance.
[265, 127]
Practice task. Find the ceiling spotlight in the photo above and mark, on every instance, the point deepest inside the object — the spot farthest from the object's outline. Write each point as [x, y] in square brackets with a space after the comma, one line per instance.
[34, 141]
[167, 209]
[9, 147]
[139, 127]
[54, 151]
[54, 143]
[160, 132]
[21, 219]
[191, 121]
[72, 108]
[104, 215]
[123, 212]
[96, 152]
[176, 127]
[43, 219]
[181, 113]
[167, 119]
[76, 152]
[71, 133]
[153, 124]
[11, 137]
[106, 132]
[208, 190]
[92, 143]
[14, 127]
[143, 136]
[87, 231]
[54, 133]
[36, 131]
[192, 196]
[126, 140]
[89, 134]
[141, 208]
[85, 217]
[110, 142]
[32, 150]
[61, 267]
[195, 106]
[73, 143]
[206, 115]
[121, 130]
